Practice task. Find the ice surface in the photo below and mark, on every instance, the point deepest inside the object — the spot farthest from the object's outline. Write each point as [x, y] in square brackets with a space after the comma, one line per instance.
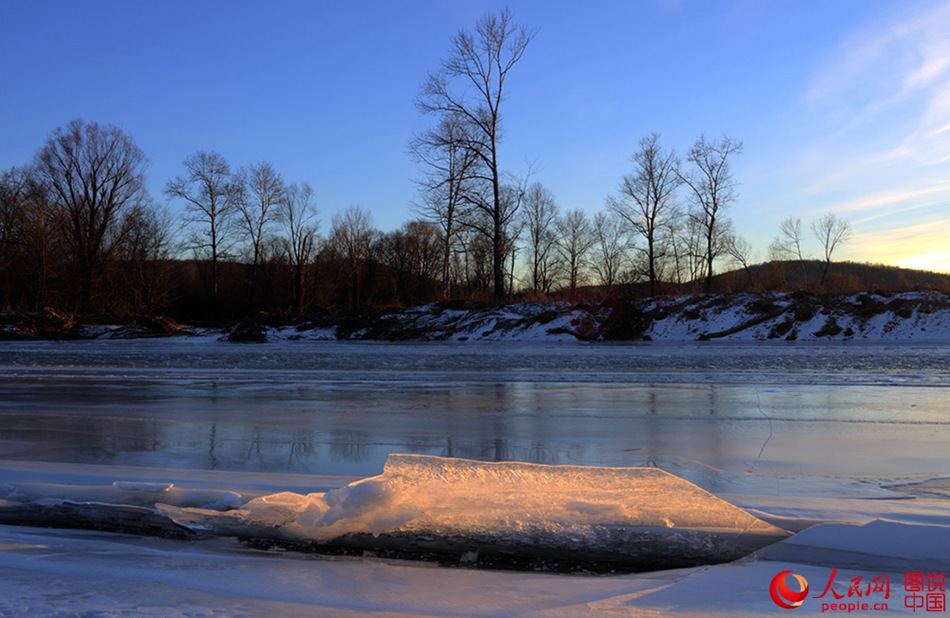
[801, 435]
[879, 544]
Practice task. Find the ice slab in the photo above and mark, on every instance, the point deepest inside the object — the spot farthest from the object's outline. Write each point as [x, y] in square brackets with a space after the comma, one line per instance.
[510, 514]
[459, 511]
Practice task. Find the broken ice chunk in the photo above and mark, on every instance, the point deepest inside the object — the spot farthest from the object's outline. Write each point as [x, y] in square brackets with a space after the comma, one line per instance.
[141, 486]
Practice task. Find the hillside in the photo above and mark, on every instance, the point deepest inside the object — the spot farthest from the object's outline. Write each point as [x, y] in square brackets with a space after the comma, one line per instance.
[842, 277]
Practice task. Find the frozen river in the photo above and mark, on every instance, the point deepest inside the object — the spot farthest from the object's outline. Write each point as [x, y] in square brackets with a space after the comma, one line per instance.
[856, 410]
[819, 439]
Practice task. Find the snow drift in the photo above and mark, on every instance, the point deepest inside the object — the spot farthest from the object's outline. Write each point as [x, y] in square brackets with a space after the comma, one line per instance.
[507, 514]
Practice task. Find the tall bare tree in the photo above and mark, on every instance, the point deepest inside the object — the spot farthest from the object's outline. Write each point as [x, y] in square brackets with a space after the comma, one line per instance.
[209, 195]
[714, 188]
[646, 200]
[481, 61]
[831, 231]
[299, 217]
[92, 173]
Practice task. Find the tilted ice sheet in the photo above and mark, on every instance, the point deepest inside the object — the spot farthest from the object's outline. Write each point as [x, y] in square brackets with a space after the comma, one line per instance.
[642, 516]
[426, 492]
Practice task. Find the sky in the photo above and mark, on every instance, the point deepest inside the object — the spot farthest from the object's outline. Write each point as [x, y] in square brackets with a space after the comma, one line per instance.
[842, 106]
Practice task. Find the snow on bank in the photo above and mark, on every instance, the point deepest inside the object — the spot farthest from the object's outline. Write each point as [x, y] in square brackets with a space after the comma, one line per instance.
[799, 316]
[910, 316]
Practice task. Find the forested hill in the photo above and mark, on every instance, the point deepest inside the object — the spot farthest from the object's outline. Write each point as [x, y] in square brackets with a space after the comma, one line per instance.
[833, 278]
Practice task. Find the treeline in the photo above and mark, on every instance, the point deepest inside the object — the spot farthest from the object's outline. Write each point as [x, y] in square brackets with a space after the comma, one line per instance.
[80, 232]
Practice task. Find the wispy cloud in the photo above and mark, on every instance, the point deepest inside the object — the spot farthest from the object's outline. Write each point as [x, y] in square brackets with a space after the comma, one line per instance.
[887, 89]
[878, 118]
[896, 200]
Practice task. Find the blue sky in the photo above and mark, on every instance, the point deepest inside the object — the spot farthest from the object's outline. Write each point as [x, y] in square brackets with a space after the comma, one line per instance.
[843, 105]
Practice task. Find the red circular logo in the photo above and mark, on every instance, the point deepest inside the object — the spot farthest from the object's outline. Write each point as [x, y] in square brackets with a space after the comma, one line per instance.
[783, 595]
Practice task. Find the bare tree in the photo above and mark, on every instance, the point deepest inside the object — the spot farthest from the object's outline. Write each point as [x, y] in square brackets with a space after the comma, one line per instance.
[350, 239]
[513, 196]
[539, 218]
[476, 260]
[831, 231]
[299, 217]
[30, 230]
[788, 244]
[612, 242]
[146, 253]
[209, 196]
[687, 250]
[449, 169]
[92, 173]
[646, 200]
[35, 240]
[576, 239]
[481, 61]
[14, 185]
[714, 188]
[412, 255]
[740, 250]
[14, 189]
[259, 190]
[392, 251]
[423, 241]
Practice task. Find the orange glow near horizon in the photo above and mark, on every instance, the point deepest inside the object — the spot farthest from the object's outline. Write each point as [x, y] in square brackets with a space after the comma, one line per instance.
[924, 246]
[938, 261]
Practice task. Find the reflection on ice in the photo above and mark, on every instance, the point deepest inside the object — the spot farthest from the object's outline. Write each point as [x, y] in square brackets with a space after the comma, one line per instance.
[343, 407]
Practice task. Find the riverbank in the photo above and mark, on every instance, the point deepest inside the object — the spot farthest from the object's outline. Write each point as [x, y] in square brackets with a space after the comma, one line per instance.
[798, 316]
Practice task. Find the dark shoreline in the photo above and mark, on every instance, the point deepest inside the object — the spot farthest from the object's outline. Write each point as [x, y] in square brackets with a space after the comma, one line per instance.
[766, 316]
